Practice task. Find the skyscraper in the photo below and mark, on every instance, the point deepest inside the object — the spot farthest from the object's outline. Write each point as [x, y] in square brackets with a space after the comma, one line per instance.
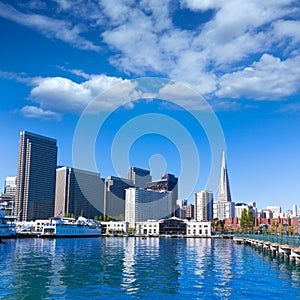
[167, 183]
[10, 185]
[79, 192]
[142, 205]
[35, 193]
[115, 196]
[140, 177]
[204, 205]
[224, 189]
[224, 208]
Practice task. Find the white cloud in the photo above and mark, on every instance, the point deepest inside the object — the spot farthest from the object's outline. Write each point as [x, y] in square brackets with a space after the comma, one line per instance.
[202, 5]
[287, 28]
[59, 29]
[218, 56]
[38, 113]
[268, 79]
[63, 95]
[238, 30]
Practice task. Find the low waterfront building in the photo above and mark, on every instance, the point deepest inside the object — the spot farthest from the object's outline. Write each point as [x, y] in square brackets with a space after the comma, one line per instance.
[172, 226]
[198, 229]
[115, 227]
[150, 228]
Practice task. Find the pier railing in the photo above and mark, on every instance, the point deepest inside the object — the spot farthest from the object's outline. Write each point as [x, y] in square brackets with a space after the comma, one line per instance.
[292, 240]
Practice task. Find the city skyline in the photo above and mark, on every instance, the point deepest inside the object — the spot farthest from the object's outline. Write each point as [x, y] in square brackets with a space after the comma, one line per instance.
[246, 65]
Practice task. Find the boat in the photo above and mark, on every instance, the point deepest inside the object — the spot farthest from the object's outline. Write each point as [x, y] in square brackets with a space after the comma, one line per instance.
[7, 224]
[69, 227]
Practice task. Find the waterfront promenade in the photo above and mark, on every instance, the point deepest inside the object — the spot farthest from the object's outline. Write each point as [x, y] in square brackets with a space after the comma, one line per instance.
[287, 245]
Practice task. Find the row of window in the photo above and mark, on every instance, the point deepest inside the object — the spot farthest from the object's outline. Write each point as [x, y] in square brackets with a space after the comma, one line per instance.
[200, 232]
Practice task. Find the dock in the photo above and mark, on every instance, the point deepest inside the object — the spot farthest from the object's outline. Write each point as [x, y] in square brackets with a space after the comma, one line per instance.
[287, 246]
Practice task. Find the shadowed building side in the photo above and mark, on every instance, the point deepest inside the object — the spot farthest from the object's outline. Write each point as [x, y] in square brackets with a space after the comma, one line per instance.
[79, 192]
[35, 192]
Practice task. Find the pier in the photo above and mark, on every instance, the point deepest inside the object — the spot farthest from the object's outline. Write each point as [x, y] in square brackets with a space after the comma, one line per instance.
[288, 246]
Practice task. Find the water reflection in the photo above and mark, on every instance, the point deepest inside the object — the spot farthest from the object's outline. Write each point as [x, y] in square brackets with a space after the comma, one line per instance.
[153, 268]
[150, 266]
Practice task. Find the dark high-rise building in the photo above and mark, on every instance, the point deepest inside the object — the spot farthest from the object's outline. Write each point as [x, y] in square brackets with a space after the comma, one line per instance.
[140, 177]
[35, 193]
[168, 183]
[115, 196]
[79, 192]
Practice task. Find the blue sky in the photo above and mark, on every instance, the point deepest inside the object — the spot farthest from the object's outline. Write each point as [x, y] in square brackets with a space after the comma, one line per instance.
[242, 56]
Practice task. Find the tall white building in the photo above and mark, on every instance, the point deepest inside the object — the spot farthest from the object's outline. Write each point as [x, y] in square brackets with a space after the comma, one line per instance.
[276, 210]
[295, 212]
[10, 185]
[239, 207]
[203, 205]
[224, 208]
[142, 205]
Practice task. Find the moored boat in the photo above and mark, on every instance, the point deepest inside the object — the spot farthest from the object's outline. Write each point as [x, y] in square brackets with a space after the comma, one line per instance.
[7, 224]
[69, 227]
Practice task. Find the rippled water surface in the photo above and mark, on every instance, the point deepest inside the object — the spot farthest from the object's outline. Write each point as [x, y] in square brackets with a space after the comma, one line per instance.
[131, 268]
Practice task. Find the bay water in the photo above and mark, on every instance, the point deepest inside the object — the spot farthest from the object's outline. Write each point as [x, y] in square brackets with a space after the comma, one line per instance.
[136, 268]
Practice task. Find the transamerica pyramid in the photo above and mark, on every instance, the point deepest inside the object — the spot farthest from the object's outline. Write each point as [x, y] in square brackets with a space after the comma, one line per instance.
[224, 188]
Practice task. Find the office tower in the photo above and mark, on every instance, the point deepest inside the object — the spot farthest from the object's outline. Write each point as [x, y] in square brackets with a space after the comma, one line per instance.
[35, 193]
[295, 213]
[167, 183]
[142, 205]
[239, 207]
[180, 212]
[115, 196]
[224, 207]
[203, 205]
[189, 211]
[276, 210]
[10, 185]
[140, 177]
[253, 207]
[78, 192]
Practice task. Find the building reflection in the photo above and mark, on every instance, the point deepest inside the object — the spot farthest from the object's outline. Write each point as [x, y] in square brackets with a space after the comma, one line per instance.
[150, 266]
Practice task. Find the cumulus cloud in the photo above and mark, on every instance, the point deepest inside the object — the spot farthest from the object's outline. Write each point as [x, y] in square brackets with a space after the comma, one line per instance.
[267, 79]
[242, 50]
[38, 113]
[63, 95]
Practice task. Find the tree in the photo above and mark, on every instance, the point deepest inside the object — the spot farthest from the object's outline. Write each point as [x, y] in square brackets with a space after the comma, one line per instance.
[250, 219]
[244, 219]
[247, 219]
